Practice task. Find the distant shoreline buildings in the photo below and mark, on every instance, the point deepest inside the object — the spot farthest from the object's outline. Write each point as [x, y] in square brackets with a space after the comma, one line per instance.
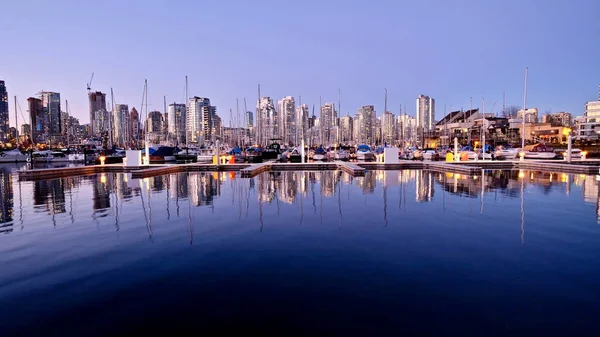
[196, 123]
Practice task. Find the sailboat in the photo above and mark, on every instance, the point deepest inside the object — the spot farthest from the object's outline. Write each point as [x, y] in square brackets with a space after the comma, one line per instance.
[364, 153]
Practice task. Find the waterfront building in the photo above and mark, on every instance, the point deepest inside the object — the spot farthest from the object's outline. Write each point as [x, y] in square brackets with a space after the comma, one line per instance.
[120, 127]
[155, 126]
[177, 122]
[134, 126]
[286, 120]
[97, 102]
[531, 115]
[407, 129]
[302, 123]
[4, 116]
[558, 118]
[37, 119]
[425, 113]
[328, 123]
[266, 126]
[389, 128]
[346, 127]
[199, 124]
[364, 125]
[25, 129]
[587, 126]
[51, 110]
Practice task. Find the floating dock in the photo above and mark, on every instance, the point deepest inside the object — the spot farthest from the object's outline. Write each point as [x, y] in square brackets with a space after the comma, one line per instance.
[352, 168]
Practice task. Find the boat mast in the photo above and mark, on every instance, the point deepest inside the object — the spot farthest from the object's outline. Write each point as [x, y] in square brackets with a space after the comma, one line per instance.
[177, 120]
[259, 120]
[246, 134]
[110, 117]
[166, 129]
[186, 109]
[384, 110]
[237, 108]
[524, 110]
[67, 108]
[16, 123]
[337, 134]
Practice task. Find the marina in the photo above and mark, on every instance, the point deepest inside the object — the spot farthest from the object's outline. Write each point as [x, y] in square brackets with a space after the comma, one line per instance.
[590, 166]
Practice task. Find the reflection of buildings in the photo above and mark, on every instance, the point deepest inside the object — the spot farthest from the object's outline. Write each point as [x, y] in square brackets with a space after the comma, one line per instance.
[50, 193]
[203, 187]
[328, 183]
[424, 186]
[368, 182]
[101, 191]
[178, 185]
[287, 186]
[266, 186]
[6, 199]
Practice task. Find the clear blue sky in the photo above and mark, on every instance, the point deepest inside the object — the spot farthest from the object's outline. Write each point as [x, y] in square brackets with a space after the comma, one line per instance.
[449, 50]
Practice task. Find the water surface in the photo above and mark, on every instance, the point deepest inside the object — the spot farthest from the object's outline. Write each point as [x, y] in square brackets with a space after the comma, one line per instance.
[300, 253]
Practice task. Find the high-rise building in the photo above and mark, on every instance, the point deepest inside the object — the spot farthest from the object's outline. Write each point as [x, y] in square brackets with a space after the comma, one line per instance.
[4, 119]
[134, 126]
[266, 126]
[328, 122]
[388, 128]
[346, 126]
[97, 101]
[25, 129]
[287, 122]
[199, 122]
[407, 129]
[121, 134]
[425, 113]
[155, 122]
[531, 115]
[249, 119]
[176, 122]
[101, 123]
[302, 125]
[52, 111]
[38, 120]
[364, 127]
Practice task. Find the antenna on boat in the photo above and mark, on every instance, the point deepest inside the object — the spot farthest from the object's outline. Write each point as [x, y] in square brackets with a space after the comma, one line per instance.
[524, 110]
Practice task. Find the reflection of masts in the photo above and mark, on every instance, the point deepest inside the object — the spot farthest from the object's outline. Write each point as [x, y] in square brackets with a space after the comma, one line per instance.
[312, 190]
[482, 190]
[523, 209]
[190, 224]
[340, 203]
[385, 203]
[148, 224]
[168, 183]
[260, 215]
[20, 206]
[116, 211]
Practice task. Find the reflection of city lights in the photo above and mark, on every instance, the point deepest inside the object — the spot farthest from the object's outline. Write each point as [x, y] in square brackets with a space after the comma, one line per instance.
[531, 176]
[521, 174]
[103, 178]
[551, 175]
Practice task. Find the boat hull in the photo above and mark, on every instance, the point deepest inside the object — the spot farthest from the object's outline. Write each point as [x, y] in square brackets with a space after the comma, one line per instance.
[319, 157]
[539, 155]
[295, 158]
[13, 159]
[365, 156]
[507, 155]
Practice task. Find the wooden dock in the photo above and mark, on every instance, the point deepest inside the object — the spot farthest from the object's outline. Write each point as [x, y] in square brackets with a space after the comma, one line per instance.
[353, 168]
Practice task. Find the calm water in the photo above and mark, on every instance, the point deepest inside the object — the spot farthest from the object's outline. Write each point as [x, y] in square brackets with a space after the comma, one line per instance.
[308, 253]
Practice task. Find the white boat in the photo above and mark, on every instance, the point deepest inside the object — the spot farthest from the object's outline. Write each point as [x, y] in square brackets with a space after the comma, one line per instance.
[320, 154]
[506, 152]
[364, 153]
[341, 155]
[575, 153]
[12, 156]
[471, 155]
[430, 154]
[539, 151]
[76, 157]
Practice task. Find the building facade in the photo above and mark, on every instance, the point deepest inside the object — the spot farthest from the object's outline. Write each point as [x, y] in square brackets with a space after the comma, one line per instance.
[199, 120]
[286, 111]
[425, 114]
[4, 116]
[120, 128]
[97, 101]
[586, 128]
[51, 110]
[558, 119]
[389, 128]
[328, 123]
[134, 126]
[346, 127]
[38, 120]
[531, 115]
[266, 121]
[177, 122]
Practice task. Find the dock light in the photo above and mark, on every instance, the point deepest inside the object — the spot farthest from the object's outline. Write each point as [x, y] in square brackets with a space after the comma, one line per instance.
[103, 178]
[521, 174]
[583, 154]
[521, 156]
[102, 160]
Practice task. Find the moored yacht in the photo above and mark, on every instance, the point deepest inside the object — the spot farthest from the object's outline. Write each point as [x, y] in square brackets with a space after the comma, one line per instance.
[364, 153]
[539, 151]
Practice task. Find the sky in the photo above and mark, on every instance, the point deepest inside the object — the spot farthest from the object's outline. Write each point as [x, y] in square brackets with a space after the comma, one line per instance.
[448, 50]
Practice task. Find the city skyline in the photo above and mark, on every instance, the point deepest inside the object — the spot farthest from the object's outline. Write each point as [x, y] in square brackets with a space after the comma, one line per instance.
[562, 76]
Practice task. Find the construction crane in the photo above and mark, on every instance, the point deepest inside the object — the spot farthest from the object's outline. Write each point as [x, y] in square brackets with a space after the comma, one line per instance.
[89, 85]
